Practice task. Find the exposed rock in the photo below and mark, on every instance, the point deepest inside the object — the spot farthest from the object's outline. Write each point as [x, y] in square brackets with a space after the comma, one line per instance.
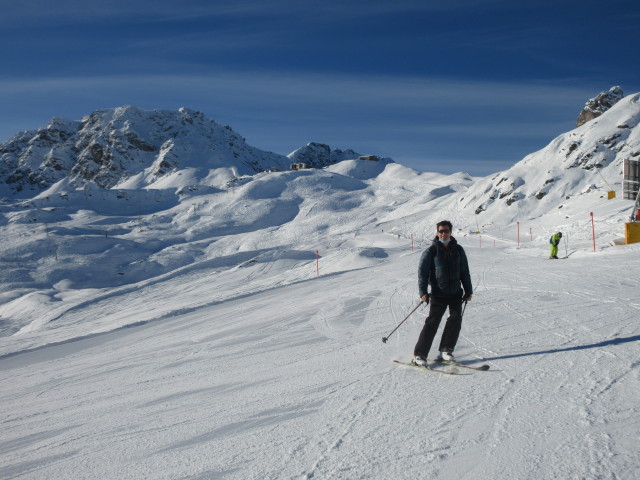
[317, 155]
[600, 104]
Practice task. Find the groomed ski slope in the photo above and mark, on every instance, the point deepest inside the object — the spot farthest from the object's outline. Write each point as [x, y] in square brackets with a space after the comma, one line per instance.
[267, 371]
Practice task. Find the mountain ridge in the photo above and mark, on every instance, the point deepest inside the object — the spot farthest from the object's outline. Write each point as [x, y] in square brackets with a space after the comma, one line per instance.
[586, 158]
[128, 147]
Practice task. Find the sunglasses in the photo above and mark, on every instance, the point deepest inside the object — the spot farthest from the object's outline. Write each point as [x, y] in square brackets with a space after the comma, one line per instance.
[444, 231]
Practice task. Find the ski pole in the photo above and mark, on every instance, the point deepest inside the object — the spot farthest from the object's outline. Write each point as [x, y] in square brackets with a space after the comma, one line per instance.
[384, 339]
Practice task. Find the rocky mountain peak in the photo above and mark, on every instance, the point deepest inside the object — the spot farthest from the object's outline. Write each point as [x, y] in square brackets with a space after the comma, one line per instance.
[317, 155]
[130, 146]
[108, 146]
[598, 105]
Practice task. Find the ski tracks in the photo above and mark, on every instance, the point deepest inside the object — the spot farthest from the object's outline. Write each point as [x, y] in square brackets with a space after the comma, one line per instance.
[528, 428]
[330, 463]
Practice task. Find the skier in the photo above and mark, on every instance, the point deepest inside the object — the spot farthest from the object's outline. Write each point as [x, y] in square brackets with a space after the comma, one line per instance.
[554, 241]
[445, 268]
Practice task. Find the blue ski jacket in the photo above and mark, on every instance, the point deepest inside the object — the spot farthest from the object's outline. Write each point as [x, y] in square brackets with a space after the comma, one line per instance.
[445, 268]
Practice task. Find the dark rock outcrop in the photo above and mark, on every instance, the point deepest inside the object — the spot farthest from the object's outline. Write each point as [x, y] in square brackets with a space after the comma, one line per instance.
[600, 104]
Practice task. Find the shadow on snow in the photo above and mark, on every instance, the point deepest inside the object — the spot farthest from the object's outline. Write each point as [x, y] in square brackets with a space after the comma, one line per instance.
[607, 343]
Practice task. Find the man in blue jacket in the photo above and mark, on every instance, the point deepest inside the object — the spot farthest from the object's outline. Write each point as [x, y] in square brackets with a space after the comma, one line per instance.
[445, 268]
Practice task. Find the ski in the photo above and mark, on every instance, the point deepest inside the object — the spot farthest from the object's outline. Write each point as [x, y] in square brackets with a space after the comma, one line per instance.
[452, 371]
[456, 364]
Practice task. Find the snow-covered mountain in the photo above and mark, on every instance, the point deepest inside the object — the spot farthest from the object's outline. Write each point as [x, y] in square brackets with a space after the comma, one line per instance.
[589, 158]
[132, 148]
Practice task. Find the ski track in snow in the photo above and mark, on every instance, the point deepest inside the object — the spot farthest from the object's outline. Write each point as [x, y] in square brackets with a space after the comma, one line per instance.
[294, 381]
[261, 369]
[283, 388]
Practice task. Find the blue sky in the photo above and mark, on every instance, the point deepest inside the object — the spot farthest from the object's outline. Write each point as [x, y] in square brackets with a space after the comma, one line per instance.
[461, 85]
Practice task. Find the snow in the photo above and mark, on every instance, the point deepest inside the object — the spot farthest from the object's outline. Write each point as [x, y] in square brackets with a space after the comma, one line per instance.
[188, 332]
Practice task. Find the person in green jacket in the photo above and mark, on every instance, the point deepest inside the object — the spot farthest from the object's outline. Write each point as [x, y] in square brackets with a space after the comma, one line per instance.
[554, 241]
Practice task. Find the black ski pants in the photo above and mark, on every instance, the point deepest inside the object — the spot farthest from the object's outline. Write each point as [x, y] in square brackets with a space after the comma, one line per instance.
[451, 329]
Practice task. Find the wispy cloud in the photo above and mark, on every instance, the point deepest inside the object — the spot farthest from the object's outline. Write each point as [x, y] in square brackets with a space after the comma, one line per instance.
[361, 90]
[145, 10]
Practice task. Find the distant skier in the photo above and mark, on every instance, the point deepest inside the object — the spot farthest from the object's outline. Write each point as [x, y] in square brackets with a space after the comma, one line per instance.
[445, 268]
[554, 241]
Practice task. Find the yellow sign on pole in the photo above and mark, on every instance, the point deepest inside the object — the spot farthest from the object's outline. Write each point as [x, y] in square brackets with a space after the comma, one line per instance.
[632, 232]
